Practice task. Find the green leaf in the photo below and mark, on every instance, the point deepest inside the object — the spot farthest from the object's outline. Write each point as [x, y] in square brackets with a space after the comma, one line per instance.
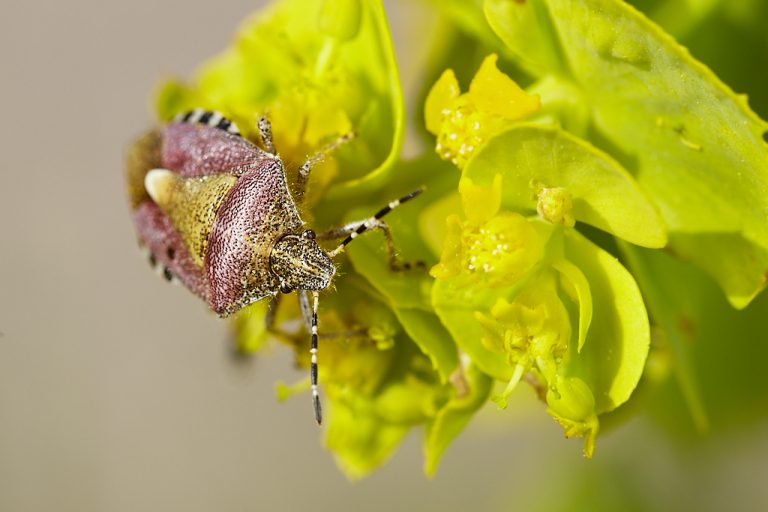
[526, 29]
[468, 15]
[668, 307]
[694, 146]
[361, 442]
[250, 328]
[471, 393]
[368, 254]
[433, 339]
[613, 357]
[717, 353]
[742, 269]
[366, 426]
[455, 305]
[407, 292]
[603, 193]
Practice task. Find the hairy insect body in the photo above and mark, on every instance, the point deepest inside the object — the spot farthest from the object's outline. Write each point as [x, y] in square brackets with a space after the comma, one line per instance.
[216, 213]
[215, 207]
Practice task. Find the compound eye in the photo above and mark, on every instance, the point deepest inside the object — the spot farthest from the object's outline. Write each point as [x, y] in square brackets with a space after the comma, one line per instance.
[309, 234]
[284, 288]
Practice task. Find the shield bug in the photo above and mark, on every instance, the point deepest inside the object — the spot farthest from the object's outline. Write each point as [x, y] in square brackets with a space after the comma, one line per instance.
[215, 212]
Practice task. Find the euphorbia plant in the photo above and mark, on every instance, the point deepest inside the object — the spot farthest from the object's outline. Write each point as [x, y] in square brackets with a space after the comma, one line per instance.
[550, 189]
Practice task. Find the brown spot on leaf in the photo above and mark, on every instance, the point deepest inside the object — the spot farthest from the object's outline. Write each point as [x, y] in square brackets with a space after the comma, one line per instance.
[687, 326]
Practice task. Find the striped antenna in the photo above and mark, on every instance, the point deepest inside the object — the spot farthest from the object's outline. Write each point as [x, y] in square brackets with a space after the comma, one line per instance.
[372, 221]
[313, 363]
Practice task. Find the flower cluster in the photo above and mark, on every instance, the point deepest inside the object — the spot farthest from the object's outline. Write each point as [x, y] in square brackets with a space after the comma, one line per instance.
[463, 122]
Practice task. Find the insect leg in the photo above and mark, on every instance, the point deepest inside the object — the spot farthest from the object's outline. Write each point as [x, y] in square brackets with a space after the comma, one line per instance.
[355, 229]
[306, 167]
[306, 308]
[269, 318]
[265, 131]
[395, 263]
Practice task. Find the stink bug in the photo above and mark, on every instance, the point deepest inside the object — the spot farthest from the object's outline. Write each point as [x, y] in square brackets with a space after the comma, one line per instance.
[215, 212]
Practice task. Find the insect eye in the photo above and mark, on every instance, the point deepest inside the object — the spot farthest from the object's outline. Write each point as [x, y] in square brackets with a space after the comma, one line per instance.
[284, 288]
[309, 234]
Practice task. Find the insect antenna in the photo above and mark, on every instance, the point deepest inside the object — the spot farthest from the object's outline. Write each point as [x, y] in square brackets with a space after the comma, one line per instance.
[372, 222]
[356, 229]
[313, 362]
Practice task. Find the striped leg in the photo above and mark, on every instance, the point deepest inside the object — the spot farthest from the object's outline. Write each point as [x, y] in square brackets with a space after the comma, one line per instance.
[395, 263]
[353, 230]
[313, 363]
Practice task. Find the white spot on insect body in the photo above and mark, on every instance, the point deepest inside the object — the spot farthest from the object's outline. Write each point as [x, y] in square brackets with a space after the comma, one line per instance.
[156, 183]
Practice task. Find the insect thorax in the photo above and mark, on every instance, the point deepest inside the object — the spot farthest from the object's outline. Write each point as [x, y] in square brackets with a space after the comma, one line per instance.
[300, 263]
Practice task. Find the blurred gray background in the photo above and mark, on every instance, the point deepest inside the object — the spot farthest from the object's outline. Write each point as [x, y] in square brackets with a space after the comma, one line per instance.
[116, 390]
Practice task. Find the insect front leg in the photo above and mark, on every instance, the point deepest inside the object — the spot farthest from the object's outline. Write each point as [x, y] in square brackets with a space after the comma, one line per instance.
[306, 168]
[265, 131]
[352, 230]
[395, 262]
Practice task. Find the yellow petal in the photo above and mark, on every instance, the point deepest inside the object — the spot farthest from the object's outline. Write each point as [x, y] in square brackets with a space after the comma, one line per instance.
[450, 260]
[445, 90]
[494, 92]
[480, 203]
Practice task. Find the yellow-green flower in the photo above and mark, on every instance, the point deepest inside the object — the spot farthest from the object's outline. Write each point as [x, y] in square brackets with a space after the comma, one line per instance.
[498, 245]
[533, 331]
[463, 122]
[555, 205]
[503, 249]
[572, 404]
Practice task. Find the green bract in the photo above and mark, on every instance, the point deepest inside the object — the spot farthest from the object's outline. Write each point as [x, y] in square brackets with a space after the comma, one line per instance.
[694, 146]
[321, 70]
[602, 192]
[504, 288]
[612, 140]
